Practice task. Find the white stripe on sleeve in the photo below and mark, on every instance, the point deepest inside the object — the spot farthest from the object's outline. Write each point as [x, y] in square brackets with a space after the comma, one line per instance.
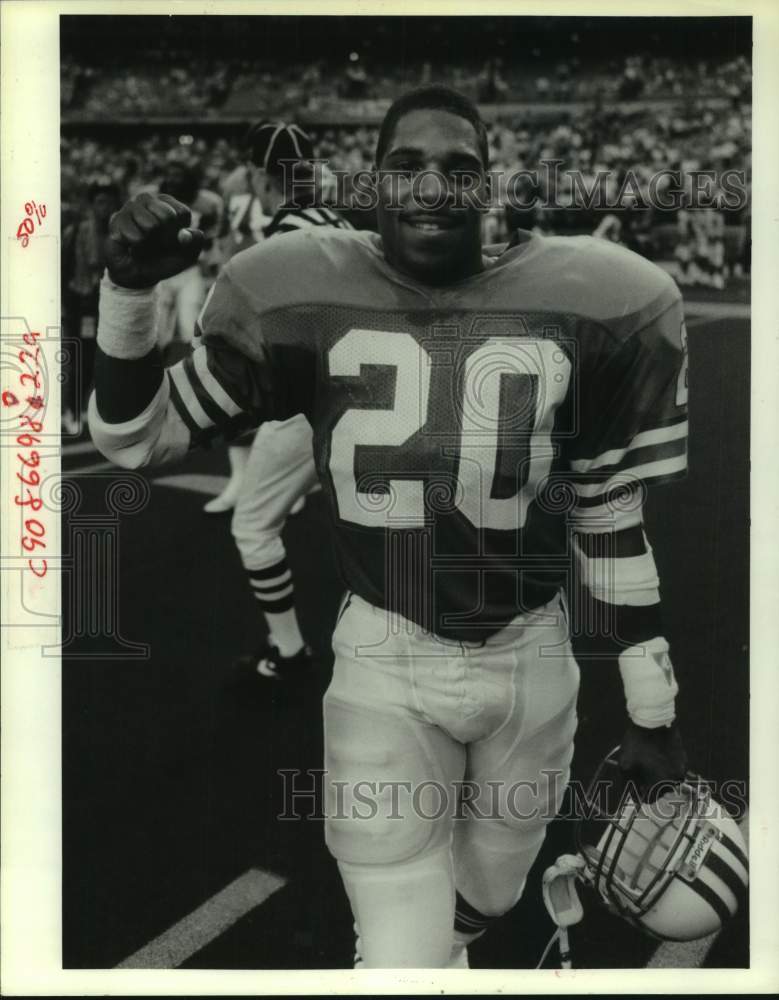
[211, 385]
[179, 378]
[659, 436]
[627, 477]
[158, 434]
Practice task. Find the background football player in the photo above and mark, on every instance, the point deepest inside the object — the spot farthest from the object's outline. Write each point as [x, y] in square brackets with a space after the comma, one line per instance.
[468, 412]
[181, 296]
[278, 470]
[260, 204]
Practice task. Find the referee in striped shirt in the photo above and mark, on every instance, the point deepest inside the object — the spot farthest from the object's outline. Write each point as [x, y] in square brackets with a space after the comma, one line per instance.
[285, 179]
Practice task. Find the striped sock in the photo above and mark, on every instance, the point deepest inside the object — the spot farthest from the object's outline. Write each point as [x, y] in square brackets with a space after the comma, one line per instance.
[469, 923]
[274, 591]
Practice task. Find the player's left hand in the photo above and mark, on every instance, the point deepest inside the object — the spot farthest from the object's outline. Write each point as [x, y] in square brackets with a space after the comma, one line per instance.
[652, 758]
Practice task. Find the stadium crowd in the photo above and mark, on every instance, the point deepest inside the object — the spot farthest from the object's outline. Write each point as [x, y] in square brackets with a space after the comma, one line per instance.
[219, 83]
[607, 141]
[618, 145]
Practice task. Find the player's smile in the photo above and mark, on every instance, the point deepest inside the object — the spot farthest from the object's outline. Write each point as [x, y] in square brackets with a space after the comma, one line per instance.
[431, 224]
[430, 221]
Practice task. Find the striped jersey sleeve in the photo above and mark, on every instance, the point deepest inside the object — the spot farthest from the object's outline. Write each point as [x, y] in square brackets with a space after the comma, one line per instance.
[141, 414]
[233, 380]
[633, 415]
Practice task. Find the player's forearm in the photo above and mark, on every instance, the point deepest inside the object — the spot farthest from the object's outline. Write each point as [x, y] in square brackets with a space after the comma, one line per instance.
[130, 415]
[619, 572]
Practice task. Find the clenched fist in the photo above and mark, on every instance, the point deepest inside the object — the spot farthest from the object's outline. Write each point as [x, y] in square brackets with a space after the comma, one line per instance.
[149, 239]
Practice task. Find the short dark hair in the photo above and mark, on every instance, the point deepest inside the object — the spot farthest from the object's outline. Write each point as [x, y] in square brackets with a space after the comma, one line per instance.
[433, 97]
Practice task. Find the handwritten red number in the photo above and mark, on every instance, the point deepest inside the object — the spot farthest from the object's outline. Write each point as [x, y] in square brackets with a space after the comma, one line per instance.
[34, 479]
[34, 357]
[34, 526]
[34, 502]
[35, 571]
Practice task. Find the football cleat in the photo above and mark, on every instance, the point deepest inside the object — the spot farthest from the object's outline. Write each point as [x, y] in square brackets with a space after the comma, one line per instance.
[675, 867]
[268, 663]
[277, 667]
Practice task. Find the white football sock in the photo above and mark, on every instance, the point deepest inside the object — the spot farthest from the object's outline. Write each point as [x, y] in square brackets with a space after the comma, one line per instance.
[285, 631]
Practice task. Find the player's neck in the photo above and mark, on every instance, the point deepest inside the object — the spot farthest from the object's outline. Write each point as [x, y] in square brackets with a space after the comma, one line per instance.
[468, 268]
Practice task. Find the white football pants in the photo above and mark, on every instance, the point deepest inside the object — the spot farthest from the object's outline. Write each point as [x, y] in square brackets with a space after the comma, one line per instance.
[407, 717]
[179, 301]
[280, 469]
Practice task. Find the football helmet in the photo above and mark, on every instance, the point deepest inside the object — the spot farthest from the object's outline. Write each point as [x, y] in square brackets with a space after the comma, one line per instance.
[676, 866]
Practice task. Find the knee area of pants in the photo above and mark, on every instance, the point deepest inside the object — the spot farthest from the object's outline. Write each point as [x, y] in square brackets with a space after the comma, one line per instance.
[526, 803]
[433, 862]
[368, 824]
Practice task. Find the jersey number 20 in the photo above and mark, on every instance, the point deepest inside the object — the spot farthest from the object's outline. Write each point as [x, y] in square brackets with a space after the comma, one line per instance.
[540, 362]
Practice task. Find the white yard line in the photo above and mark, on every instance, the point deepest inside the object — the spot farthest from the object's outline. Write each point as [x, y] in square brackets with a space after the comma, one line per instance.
[79, 470]
[689, 954]
[207, 922]
[208, 485]
[718, 310]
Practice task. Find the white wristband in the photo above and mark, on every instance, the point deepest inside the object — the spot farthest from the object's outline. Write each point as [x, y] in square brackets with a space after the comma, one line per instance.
[650, 684]
[127, 326]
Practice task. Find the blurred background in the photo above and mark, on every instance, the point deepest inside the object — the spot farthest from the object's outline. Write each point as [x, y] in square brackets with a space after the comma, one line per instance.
[169, 787]
[597, 93]
[163, 103]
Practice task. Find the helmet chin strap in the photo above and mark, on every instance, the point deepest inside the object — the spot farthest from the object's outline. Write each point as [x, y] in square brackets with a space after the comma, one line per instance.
[562, 902]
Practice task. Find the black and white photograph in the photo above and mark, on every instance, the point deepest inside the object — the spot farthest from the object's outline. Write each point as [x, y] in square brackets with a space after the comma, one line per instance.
[386, 446]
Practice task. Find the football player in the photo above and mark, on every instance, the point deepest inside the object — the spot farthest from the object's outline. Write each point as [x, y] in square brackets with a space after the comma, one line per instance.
[279, 470]
[478, 420]
[245, 217]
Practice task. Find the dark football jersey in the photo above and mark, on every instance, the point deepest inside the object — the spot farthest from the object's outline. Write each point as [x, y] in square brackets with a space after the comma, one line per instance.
[457, 430]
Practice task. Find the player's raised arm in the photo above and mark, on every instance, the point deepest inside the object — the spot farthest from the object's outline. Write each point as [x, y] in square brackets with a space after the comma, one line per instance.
[639, 440]
[140, 413]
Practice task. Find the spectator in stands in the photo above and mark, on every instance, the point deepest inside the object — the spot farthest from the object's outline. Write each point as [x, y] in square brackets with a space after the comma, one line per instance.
[632, 83]
[492, 86]
[355, 85]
